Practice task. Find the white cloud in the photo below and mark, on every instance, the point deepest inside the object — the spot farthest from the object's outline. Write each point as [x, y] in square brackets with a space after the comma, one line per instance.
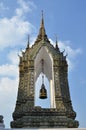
[13, 57]
[24, 7]
[9, 70]
[9, 80]
[13, 31]
[8, 95]
[71, 53]
[7, 85]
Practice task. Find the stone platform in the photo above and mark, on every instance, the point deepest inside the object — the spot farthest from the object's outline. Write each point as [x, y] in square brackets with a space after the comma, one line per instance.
[43, 118]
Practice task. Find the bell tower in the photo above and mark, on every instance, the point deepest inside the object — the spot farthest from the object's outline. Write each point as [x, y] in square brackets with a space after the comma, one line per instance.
[45, 59]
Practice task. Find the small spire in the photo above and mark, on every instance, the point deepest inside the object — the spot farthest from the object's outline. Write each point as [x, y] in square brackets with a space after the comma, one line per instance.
[42, 21]
[56, 44]
[42, 28]
[28, 43]
[56, 39]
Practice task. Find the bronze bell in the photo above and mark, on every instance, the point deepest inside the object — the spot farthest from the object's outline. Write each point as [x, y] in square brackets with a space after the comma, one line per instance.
[43, 92]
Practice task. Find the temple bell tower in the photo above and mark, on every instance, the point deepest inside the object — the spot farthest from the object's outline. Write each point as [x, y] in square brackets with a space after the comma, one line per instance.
[45, 59]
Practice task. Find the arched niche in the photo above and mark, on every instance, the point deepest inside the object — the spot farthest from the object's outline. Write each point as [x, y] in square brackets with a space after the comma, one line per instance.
[48, 71]
[44, 103]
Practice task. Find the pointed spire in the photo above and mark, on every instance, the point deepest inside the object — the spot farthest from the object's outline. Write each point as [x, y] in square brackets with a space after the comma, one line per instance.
[56, 44]
[42, 21]
[42, 28]
[28, 43]
[42, 33]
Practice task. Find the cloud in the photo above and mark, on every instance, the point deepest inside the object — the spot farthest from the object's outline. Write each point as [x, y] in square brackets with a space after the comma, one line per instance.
[13, 57]
[24, 7]
[68, 49]
[7, 86]
[9, 70]
[13, 31]
[8, 95]
[71, 53]
[9, 80]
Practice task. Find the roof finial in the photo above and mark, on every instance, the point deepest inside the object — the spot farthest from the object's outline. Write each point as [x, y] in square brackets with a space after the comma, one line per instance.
[56, 39]
[56, 44]
[42, 21]
[42, 13]
[42, 33]
[28, 42]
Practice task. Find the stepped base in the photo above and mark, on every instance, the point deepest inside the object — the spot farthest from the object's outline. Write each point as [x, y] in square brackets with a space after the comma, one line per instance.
[43, 118]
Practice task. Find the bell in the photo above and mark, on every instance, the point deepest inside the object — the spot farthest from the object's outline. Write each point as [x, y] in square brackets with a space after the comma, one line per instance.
[43, 92]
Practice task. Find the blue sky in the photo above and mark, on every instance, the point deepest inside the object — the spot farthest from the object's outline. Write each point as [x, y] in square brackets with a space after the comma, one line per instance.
[65, 19]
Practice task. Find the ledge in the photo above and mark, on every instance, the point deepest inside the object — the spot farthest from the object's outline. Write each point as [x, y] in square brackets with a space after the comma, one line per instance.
[47, 129]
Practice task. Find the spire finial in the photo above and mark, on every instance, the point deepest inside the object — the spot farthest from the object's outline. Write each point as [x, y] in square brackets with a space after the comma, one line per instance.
[42, 21]
[42, 13]
[56, 40]
[57, 44]
[42, 33]
[28, 42]
[28, 38]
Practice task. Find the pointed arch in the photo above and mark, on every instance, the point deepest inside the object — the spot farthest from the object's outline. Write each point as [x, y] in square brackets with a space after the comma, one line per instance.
[48, 70]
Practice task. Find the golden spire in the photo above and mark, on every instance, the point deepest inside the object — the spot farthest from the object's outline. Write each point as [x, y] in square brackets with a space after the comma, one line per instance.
[42, 21]
[42, 28]
[42, 33]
